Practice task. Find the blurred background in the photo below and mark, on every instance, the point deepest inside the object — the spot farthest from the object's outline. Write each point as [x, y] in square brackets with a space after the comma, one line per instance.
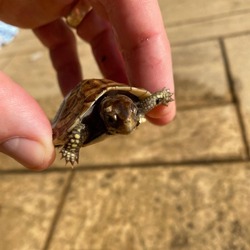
[182, 186]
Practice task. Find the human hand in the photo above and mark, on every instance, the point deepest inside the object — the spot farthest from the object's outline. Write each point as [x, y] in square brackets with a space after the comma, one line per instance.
[143, 58]
[25, 132]
[129, 42]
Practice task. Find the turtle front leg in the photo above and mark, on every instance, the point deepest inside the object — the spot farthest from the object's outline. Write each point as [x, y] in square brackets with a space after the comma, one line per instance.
[76, 138]
[162, 97]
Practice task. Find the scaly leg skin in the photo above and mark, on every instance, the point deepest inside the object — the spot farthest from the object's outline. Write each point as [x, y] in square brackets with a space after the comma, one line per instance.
[162, 97]
[70, 150]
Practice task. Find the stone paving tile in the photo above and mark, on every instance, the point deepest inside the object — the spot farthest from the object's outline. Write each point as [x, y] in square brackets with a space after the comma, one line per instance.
[201, 207]
[25, 42]
[209, 29]
[40, 80]
[184, 11]
[204, 134]
[89, 66]
[199, 75]
[35, 74]
[238, 49]
[28, 203]
[3, 62]
[7, 163]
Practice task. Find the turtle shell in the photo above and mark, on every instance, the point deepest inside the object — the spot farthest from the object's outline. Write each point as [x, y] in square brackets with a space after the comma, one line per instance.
[78, 106]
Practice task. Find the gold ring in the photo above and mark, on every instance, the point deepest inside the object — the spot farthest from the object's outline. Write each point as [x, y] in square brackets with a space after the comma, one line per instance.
[77, 14]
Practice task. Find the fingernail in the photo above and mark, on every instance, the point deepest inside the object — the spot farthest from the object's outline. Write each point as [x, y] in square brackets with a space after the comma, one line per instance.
[29, 153]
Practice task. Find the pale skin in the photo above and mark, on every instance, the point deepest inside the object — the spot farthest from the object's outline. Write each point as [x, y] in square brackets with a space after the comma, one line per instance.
[128, 40]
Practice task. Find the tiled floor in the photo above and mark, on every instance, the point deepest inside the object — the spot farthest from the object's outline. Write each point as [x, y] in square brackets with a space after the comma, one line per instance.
[183, 186]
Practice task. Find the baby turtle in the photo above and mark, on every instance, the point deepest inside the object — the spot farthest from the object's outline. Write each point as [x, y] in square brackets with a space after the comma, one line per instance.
[97, 108]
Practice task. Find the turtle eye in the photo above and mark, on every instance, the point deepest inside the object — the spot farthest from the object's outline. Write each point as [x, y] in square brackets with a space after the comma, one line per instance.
[111, 119]
[109, 116]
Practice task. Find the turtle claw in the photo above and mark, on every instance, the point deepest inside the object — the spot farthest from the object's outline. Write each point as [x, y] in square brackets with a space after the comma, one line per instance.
[166, 96]
[71, 156]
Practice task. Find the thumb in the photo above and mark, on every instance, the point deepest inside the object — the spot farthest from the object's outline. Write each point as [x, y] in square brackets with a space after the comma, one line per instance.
[25, 132]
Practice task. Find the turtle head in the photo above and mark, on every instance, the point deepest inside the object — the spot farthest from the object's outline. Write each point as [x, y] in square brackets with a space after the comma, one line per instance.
[119, 113]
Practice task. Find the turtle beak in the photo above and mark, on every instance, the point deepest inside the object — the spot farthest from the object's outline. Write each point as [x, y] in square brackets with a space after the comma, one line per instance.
[130, 125]
[129, 118]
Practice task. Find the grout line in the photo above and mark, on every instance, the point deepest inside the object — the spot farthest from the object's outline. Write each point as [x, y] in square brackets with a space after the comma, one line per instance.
[6, 64]
[208, 39]
[143, 165]
[58, 211]
[138, 165]
[235, 97]
[146, 165]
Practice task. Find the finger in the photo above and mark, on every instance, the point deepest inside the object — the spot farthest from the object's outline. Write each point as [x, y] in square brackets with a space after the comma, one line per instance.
[98, 32]
[142, 38]
[61, 42]
[32, 14]
[25, 132]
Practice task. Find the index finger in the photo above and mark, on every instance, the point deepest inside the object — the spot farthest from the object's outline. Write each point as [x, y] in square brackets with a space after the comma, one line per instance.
[141, 35]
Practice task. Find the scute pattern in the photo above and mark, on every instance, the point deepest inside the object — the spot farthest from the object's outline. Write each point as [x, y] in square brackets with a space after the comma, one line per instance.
[77, 103]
